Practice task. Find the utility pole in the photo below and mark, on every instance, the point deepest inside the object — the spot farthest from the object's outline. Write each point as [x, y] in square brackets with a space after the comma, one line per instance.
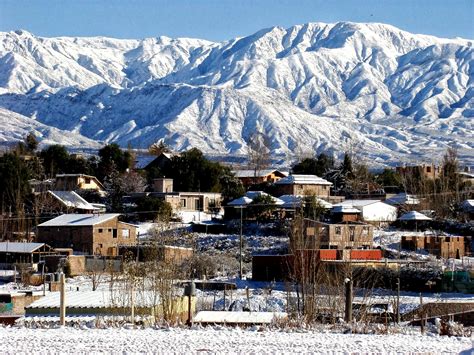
[132, 303]
[240, 243]
[398, 299]
[348, 311]
[62, 299]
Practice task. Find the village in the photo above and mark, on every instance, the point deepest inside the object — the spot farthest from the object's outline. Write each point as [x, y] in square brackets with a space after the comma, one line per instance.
[143, 238]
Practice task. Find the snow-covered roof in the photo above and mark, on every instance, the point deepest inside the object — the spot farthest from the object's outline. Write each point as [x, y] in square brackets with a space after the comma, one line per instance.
[403, 199]
[344, 209]
[252, 173]
[414, 216]
[14, 247]
[357, 203]
[241, 201]
[303, 180]
[467, 175]
[250, 196]
[238, 317]
[468, 205]
[292, 201]
[71, 199]
[142, 161]
[93, 299]
[254, 194]
[78, 220]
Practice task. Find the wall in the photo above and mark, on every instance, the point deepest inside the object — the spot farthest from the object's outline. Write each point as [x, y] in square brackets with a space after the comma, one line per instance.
[78, 238]
[322, 191]
[91, 240]
[337, 236]
[104, 242]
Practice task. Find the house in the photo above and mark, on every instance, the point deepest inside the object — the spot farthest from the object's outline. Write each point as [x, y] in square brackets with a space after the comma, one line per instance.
[253, 177]
[74, 182]
[343, 235]
[98, 234]
[345, 213]
[429, 171]
[159, 162]
[295, 201]
[373, 211]
[304, 185]
[439, 245]
[23, 253]
[184, 204]
[65, 202]
[403, 199]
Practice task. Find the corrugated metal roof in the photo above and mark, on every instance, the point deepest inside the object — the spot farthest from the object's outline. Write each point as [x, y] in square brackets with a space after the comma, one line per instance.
[96, 299]
[78, 220]
[14, 247]
[303, 180]
[238, 317]
[72, 199]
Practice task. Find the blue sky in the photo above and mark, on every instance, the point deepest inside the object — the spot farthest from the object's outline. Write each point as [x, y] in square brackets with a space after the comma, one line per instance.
[224, 19]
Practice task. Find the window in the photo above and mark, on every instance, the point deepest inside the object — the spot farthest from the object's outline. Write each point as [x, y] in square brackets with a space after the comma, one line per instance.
[183, 202]
[197, 204]
[114, 233]
[110, 230]
[428, 169]
[125, 233]
[100, 230]
[338, 230]
[352, 233]
[87, 180]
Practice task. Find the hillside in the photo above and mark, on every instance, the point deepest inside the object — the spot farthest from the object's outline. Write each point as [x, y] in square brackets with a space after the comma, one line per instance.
[386, 94]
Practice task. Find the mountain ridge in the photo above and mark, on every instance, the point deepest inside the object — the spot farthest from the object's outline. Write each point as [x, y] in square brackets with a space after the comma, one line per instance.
[393, 95]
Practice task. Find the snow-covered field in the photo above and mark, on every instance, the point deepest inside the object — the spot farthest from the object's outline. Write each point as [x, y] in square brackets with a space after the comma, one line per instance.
[219, 340]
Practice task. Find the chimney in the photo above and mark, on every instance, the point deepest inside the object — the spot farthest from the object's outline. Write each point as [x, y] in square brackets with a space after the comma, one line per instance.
[163, 185]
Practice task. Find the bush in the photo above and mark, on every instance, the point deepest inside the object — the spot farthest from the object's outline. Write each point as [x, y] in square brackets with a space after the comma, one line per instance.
[152, 208]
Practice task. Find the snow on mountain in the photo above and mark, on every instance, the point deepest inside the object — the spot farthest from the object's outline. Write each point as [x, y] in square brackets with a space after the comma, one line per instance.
[390, 94]
[16, 127]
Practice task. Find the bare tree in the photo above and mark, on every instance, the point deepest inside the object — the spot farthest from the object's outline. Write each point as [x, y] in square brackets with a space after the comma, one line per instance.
[258, 152]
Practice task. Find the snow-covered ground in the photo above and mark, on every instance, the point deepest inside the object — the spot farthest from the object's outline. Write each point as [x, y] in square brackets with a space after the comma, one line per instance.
[219, 340]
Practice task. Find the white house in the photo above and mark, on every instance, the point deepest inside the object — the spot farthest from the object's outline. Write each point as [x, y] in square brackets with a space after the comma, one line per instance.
[373, 210]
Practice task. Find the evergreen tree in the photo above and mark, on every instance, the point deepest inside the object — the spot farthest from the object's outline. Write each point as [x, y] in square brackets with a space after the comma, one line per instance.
[112, 157]
[55, 160]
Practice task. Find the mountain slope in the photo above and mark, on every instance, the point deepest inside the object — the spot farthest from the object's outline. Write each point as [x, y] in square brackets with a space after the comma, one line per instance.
[389, 94]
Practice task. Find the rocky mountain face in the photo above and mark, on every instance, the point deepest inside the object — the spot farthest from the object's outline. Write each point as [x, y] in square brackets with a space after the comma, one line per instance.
[386, 94]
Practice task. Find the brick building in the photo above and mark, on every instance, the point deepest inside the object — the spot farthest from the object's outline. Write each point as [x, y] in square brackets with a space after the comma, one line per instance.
[439, 245]
[429, 171]
[304, 185]
[74, 182]
[343, 235]
[88, 233]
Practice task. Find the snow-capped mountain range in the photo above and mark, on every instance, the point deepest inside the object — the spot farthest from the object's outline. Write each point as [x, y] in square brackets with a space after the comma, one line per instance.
[384, 93]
